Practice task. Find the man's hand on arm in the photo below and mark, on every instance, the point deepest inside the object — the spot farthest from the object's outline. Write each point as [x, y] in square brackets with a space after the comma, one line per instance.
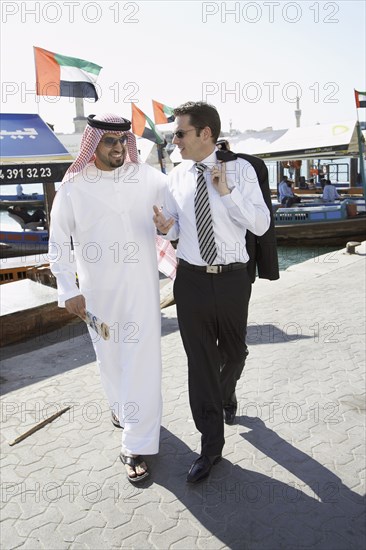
[161, 223]
[218, 176]
[77, 306]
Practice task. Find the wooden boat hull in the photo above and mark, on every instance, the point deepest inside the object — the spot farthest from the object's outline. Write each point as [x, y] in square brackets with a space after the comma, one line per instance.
[335, 232]
[23, 243]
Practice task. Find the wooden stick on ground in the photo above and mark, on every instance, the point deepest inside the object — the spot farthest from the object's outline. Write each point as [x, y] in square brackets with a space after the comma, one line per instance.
[38, 426]
[166, 295]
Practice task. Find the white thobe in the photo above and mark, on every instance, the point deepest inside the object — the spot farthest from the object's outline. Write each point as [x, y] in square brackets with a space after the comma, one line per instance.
[109, 216]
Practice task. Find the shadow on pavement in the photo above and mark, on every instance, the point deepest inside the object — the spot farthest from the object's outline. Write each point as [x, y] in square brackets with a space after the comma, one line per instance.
[68, 332]
[249, 510]
[271, 334]
[42, 357]
[47, 355]
[256, 334]
[168, 324]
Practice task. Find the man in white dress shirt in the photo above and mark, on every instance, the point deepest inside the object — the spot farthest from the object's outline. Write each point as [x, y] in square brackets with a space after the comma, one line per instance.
[105, 205]
[212, 296]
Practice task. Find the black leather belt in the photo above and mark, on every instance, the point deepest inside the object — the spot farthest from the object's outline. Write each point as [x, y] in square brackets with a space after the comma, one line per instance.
[212, 269]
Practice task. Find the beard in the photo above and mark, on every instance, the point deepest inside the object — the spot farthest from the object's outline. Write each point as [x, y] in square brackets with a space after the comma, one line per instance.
[115, 163]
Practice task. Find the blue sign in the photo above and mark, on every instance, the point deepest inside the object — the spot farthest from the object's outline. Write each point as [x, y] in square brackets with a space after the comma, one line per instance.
[26, 137]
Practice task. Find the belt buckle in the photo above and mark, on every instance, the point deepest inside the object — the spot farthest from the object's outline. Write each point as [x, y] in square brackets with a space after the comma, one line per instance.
[213, 269]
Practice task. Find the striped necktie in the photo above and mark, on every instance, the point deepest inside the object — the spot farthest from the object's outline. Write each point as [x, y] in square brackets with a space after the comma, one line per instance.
[206, 237]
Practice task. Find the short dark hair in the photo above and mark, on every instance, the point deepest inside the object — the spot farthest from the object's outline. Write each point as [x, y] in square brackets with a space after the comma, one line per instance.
[201, 115]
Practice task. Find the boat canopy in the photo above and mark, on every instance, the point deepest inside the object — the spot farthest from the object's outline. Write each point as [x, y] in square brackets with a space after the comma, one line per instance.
[307, 142]
[29, 151]
[319, 141]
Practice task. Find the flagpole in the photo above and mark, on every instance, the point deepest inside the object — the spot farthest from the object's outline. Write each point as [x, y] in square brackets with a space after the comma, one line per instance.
[80, 119]
[362, 163]
[160, 147]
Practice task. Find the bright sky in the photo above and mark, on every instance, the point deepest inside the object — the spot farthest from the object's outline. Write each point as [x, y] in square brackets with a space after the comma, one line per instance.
[249, 59]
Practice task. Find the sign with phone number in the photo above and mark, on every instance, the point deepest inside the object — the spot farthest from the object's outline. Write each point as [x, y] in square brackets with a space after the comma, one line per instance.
[32, 173]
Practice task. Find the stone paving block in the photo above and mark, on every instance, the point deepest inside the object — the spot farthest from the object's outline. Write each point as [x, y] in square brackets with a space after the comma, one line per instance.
[69, 532]
[211, 543]
[33, 543]
[114, 515]
[184, 543]
[50, 534]
[138, 540]
[174, 535]
[118, 535]
[71, 511]
[95, 538]
[28, 525]
[161, 523]
[8, 538]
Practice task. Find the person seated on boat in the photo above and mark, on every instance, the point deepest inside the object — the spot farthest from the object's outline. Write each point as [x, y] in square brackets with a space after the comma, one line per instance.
[330, 193]
[287, 196]
[311, 184]
[303, 183]
[20, 194]
[20, 191]
[38, 215]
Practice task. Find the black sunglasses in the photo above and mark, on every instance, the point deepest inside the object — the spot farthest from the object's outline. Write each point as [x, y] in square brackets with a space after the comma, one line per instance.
[181, 133]
[111, 142]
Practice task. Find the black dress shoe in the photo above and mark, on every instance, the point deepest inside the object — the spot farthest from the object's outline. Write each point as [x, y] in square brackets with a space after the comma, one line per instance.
[201, 467]
[229, 415]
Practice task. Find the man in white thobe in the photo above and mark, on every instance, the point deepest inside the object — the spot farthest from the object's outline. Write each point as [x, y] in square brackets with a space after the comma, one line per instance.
[104, 205]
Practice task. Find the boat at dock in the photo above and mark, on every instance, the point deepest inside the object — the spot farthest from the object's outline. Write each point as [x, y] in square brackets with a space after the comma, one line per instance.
[23, 243]
[29, 201]
[30, 154]
[325, 224]
[22, 267]
[309, 223]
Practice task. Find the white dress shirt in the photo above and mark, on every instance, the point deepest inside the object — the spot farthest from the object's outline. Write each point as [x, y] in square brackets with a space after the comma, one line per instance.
[244, 208]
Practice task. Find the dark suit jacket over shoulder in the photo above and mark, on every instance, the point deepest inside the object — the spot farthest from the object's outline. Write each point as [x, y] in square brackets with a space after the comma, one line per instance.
[262, 250]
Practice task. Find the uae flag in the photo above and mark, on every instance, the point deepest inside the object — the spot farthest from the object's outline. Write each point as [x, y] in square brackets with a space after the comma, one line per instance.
[139, 128]
[360, 99]
[162, 113]
[60, 75]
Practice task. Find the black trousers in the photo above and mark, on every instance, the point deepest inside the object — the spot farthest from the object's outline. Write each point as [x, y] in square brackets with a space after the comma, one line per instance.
[212, 314]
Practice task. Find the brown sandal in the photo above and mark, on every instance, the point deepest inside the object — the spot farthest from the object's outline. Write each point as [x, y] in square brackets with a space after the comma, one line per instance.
[134, 461]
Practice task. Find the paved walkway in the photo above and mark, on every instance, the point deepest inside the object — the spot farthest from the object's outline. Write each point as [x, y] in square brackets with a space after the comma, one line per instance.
[293, 470]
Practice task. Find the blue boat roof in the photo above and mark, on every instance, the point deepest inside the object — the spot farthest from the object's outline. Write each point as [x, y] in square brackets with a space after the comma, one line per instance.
[26, 138]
